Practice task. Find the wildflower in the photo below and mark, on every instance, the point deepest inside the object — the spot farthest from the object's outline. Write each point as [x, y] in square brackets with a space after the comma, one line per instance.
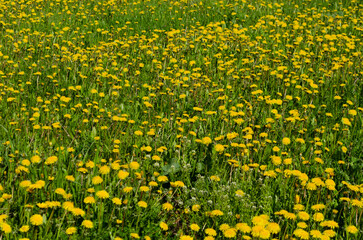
[70, 178]
[329, 233]
[318, 217]
[346, 121]
[206, 140]
[274, 228]
[230, 233]
[35, 159]
[89, 200]
[219, 148]
[303, 216]
[265, 234]
[122, 174]
[36, 219]
[134, 165]
[142, 204]
[196, 208]
[301, 233]
[138, 133]
[127, 189]
[164, 226]
[51, 160]
[87, 224]
[194, 227]
[97, 180]
[134, 235]
[351, 229]
[102, 194]
[215, 178]
[144, 189]
[224, 227]
[77, 212]
[167, 206]
[116, 201]
[315, 234]
[24, 228]
[216, 213]
[208, 238]
[330, 224]
[318, 207]
[162, 178]
[286, 141]
[210, 231]
[71, 230]
[104, 170]
[68, 206]
[261, 220]
[25, 183]
[6, 228]
[186, 237]
[302, 225]
[240, 193]
[243, 227]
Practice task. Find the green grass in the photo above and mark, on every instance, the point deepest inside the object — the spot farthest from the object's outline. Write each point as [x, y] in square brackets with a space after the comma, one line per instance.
[80, 78]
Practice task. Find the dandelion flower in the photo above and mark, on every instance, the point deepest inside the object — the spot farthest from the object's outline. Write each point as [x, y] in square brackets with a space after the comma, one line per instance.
[351, 229]
[142, 204]
[134, 165]
[24, 228]
[230, 233]
[206, 140]
[71, 230]
[102, 194]
[194, 227]
[89, 200]
[36, 219]
[134, 235]
[186, 237]
[243, 227]
[5, 227]
[210, 232]
[219, 148]
[167, 206]
[286, 141]
[87, 224]
[164, 226]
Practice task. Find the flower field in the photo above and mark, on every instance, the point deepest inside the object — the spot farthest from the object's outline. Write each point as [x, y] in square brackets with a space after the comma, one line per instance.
[181, 119]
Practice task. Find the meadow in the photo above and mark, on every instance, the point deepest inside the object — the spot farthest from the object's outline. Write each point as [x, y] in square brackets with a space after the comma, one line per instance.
[181, 119]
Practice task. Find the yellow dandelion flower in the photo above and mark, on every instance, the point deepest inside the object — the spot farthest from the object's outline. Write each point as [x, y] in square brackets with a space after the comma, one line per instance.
[134, 235]
[71, 230]
[206, 140]
[36, 220]
[51, 160]
[210, 232]
[89, 200]
[164, 226]
[116, 201]
[24, 228]
[167, 206]
[194, 227]
[97, 180]
[219, 148]
[87, 224]
[230, 233]
[142, 204]
[102, 194]
[352, 229]
[286, 141]
[35, 159]
[134, 165]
